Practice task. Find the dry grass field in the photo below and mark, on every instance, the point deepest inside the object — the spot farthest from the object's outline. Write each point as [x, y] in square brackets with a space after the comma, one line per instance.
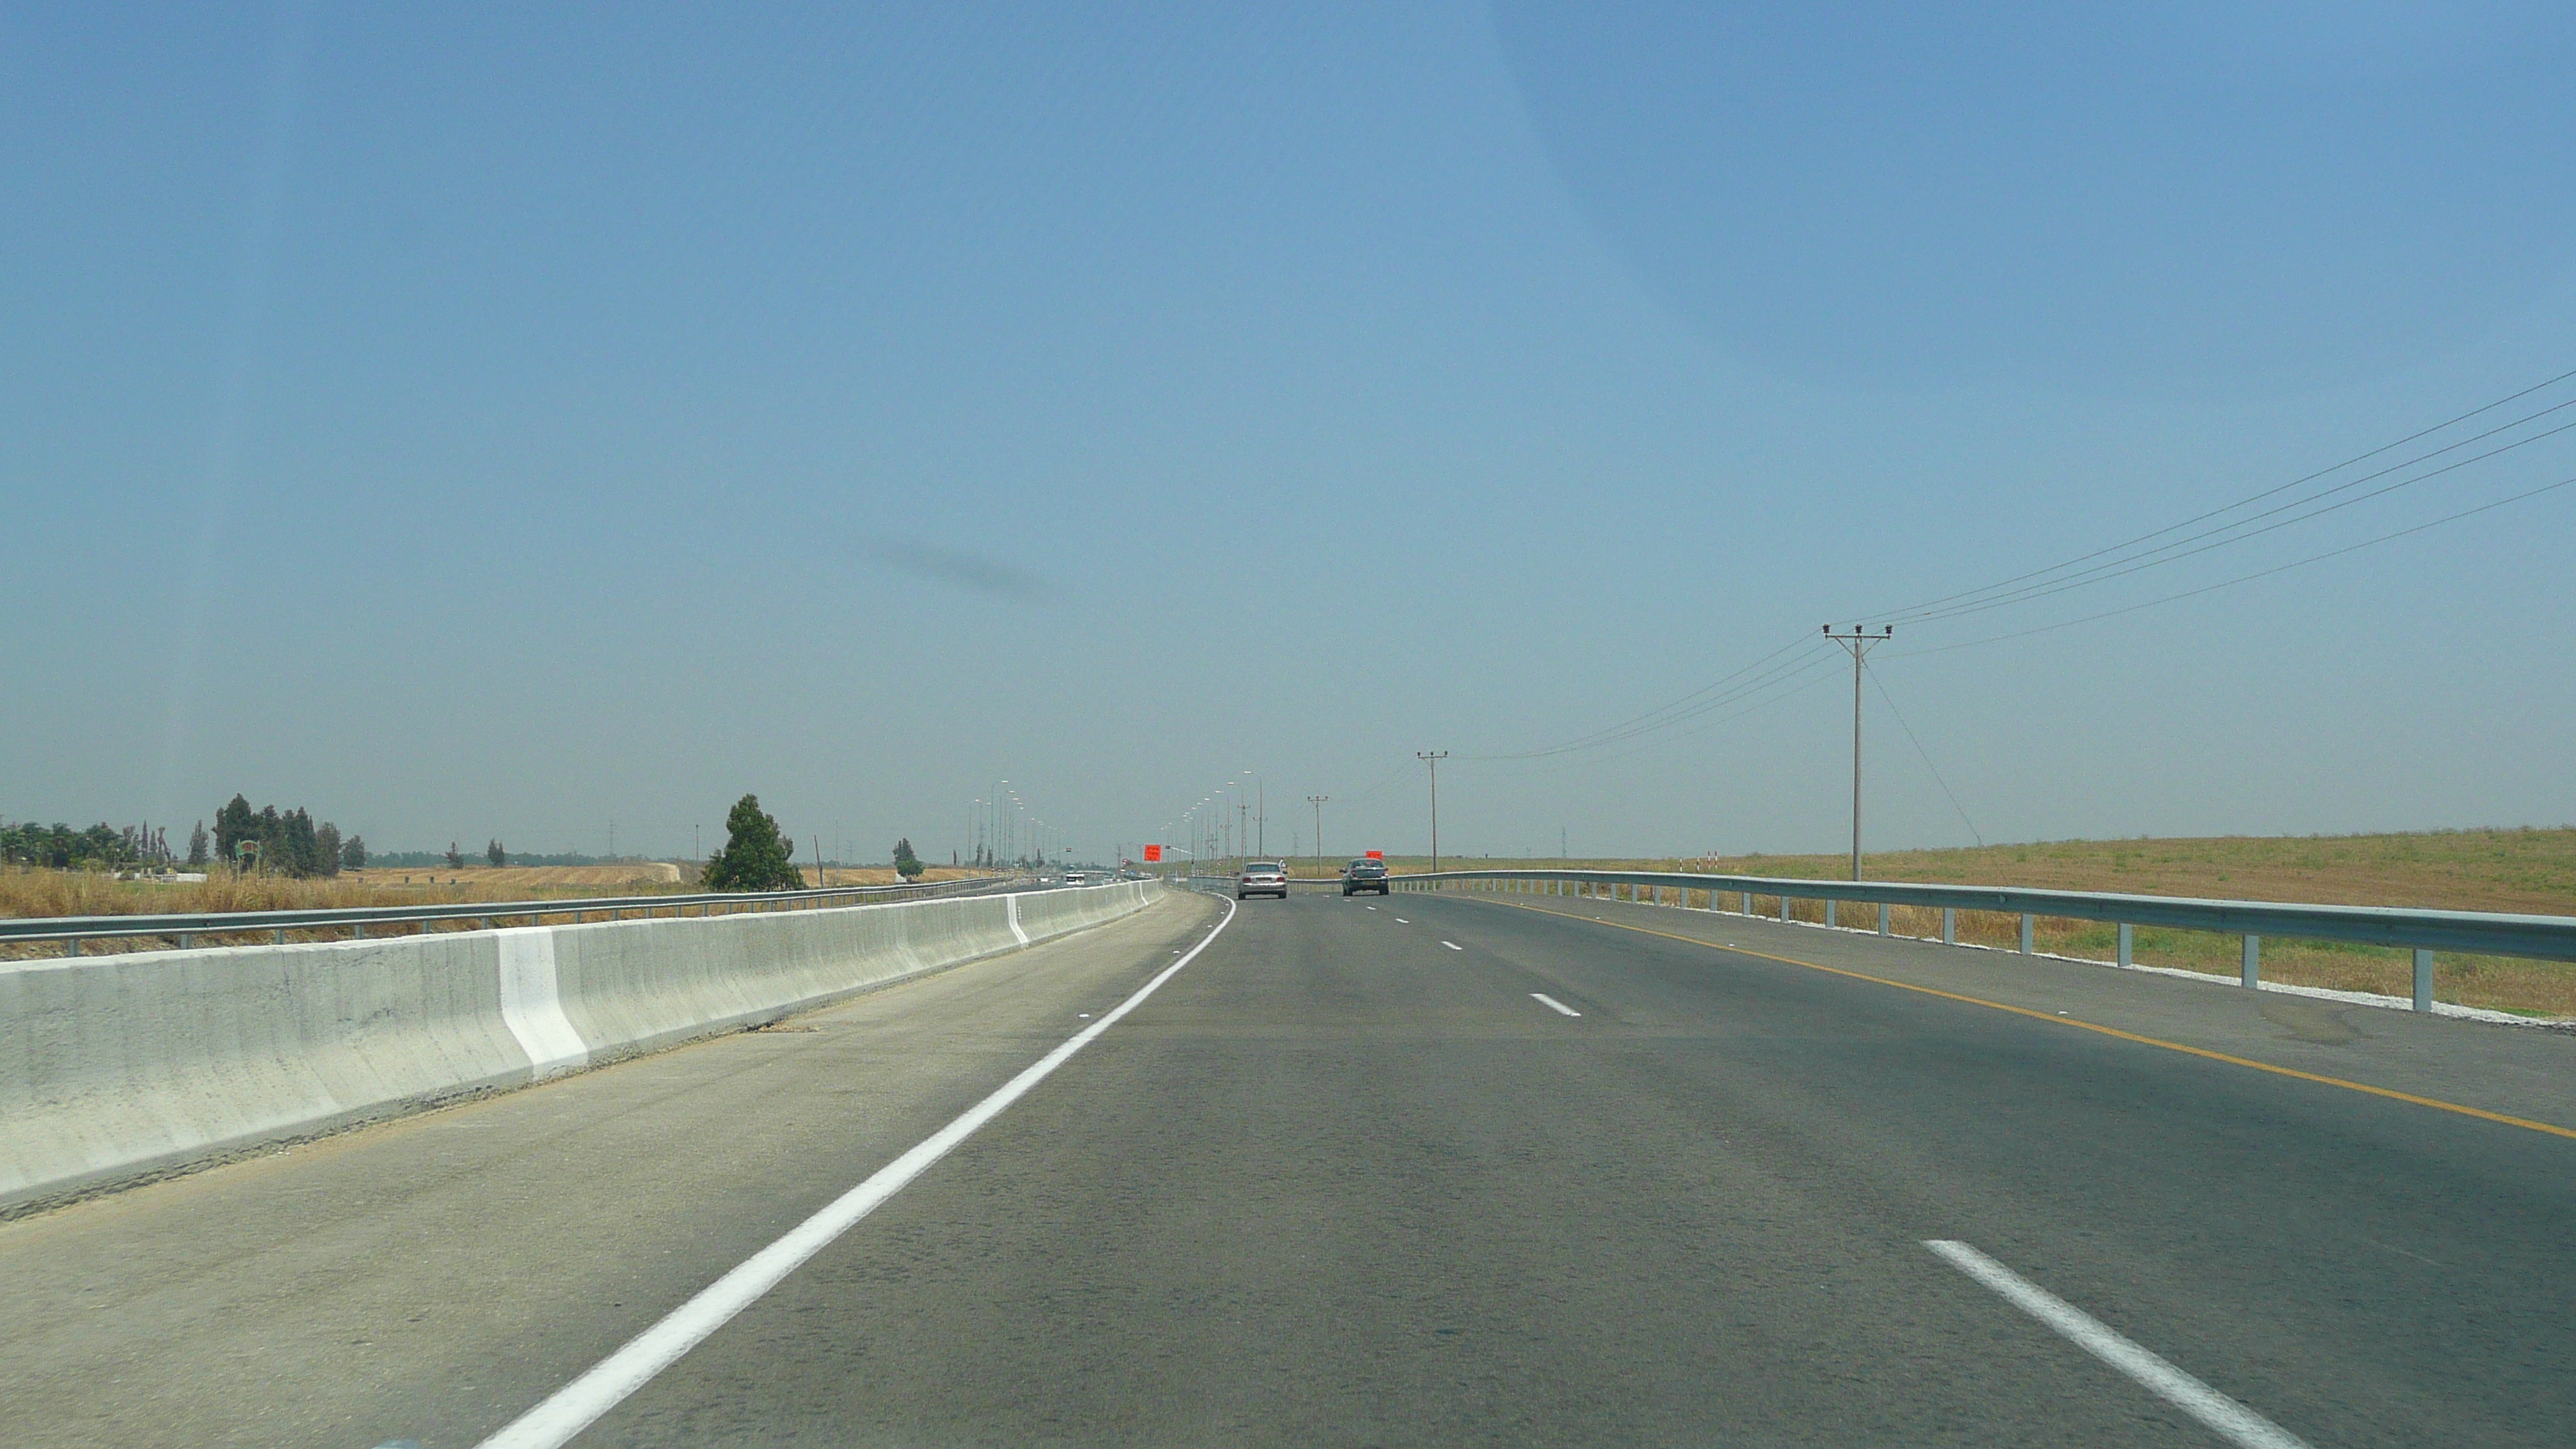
[2530, 871]
[78, 893]
[645, 875]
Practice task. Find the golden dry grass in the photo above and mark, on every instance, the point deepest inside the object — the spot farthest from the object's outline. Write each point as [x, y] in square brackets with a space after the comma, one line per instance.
[647, 874]
[26, 892]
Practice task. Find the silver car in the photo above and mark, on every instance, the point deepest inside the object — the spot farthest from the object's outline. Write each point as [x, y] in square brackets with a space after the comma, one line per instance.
[1262, 878]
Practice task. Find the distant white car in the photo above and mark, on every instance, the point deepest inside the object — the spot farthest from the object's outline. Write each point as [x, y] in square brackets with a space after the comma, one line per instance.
[1262, 878]
[1075, 877]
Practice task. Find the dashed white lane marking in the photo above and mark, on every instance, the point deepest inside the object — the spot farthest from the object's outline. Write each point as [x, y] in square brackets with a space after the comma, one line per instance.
[1401, 921]
[2225, 1417]
[575, 1406]
[1368, 908]
[1452, 945]
[1550, 1002]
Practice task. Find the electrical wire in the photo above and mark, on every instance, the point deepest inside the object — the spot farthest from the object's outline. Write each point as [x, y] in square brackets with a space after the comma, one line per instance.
[1881, 686]
[1900, 615]
[2245, 578]
[2176, 551]
[1611, 731]
[1772, 670]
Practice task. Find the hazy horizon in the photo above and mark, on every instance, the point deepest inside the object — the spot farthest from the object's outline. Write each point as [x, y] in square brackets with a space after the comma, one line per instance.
[471, 424]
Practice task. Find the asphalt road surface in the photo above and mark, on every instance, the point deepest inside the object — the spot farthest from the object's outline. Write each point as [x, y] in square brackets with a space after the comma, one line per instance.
[1422, 1170]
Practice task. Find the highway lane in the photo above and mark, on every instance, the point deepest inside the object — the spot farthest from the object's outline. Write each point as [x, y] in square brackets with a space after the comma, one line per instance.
[1423, 1170]
[430, 1278]
[1352, 1178]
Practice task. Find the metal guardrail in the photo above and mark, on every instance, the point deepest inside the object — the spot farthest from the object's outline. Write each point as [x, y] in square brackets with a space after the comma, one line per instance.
[2482, 933]
[72, 930]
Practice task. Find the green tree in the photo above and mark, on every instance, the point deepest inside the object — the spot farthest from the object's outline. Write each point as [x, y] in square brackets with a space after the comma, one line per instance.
[197, 844]
[326, 849]
[495, 854]
[353, 853]
[755, 854]
[234, 824]
[455, 857]
[907, 864]
[298, 850]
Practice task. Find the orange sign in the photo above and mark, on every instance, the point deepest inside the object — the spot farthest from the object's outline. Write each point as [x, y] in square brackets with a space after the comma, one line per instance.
[1377, 855]
[1153, 852]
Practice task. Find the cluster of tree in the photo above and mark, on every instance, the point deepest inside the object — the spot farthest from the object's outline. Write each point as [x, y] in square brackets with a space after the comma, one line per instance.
[280, 843]
[100, 847]
[758, 856]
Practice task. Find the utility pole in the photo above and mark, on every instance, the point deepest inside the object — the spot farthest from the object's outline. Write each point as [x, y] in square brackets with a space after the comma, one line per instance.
[1243, 818]
[1858, 642]
[1318, 802]
[1434, 757]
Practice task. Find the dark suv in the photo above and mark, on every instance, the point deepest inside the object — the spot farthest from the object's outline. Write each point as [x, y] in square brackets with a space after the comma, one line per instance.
[1364, 875]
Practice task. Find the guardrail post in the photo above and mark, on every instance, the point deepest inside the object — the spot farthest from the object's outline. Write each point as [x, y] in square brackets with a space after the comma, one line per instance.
[187, 940]
[1949, 925]
[1829, 913]
[2252, 975]
[2025, 935]
[2128, 942]
[72, 946]
[1748, 903]
[2423, 980]
[357, 930]
[1882, 918]
[281, 935]
[1784, 908]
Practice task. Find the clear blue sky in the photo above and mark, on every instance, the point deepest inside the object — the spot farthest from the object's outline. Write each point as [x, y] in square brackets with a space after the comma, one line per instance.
[475, 421]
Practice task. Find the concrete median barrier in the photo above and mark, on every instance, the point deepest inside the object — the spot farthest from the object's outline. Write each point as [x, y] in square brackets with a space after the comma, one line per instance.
[118, 1069]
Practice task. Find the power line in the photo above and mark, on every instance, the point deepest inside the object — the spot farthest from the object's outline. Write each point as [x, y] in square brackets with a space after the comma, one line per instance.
[1916, 610]
[1808, 653]
[1881, 684]
[2247, 578]
[2135, 563]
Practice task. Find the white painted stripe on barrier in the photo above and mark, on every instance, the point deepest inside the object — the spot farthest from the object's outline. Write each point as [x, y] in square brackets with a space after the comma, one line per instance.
[1021, 935]
[578, 1404]
[530, 1005]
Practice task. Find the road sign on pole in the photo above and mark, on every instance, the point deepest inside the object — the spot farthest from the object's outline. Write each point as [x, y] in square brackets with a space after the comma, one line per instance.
[1153, 853]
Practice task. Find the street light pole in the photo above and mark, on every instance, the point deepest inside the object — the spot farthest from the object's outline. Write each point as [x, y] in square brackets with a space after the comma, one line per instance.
[1318, 802]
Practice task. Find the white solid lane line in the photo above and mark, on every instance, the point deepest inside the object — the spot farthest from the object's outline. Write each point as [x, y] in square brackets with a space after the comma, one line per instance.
[2225, 1417]
[576, 1405]
[1452, 945]
[1550, 1002]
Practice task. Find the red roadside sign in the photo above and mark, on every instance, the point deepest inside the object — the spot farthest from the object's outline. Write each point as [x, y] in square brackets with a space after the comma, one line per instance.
[1377, 855]
[1153, 852]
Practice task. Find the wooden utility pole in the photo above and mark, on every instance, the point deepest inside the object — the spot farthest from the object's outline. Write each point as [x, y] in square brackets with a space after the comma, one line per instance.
[1858, 642]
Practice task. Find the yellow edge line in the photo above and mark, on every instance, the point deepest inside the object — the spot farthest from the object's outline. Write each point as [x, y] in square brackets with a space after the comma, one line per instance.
[2435, 1103]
